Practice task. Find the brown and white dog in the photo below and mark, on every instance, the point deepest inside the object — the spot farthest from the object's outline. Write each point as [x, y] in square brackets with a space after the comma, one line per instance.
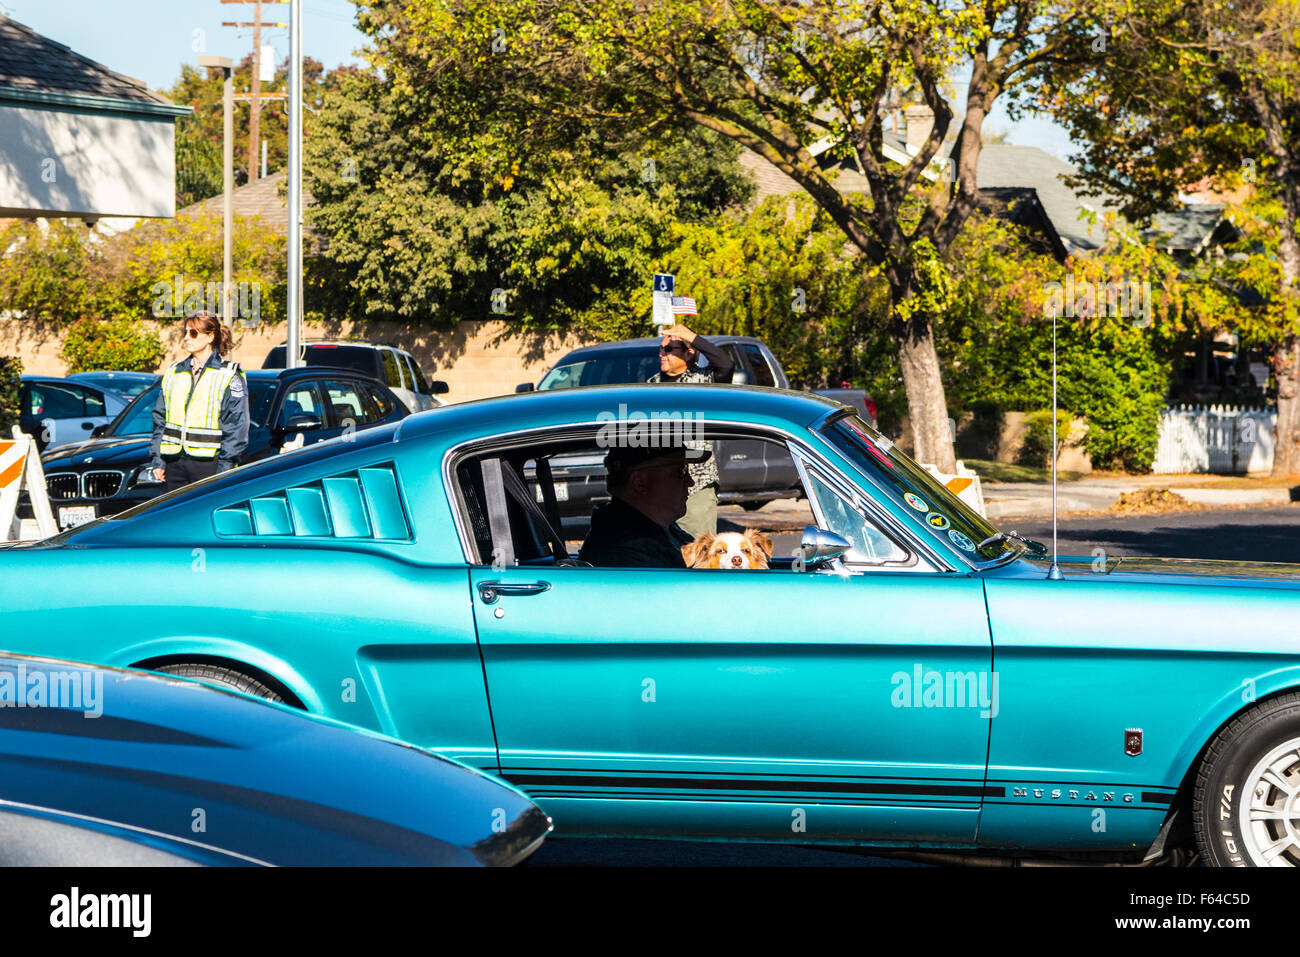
[728, 550]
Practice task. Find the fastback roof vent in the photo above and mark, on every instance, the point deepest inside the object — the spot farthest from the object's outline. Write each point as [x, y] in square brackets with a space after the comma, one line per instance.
[364, 503]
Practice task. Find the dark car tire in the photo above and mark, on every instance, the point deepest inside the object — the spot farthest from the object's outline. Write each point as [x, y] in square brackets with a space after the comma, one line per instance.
[1230, 781]
[225, 677]
[752, 506]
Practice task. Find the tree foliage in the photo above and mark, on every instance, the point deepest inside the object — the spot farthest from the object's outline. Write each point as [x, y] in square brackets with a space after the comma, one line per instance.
[413, 229]
[125, 344]
[1199, 91]
[11, 371]
[791, 81]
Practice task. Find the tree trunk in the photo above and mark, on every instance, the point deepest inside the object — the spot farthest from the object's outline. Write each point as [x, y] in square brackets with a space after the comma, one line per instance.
[1286, 362]
[926, 404]
[1286, 366]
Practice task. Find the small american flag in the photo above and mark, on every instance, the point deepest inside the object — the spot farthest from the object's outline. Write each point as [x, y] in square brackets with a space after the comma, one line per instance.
[684, 306]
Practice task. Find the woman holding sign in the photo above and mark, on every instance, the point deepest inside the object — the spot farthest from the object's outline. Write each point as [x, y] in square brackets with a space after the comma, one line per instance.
[678, 353]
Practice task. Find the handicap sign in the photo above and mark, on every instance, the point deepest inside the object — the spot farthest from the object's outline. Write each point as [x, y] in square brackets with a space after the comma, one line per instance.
[664, 282]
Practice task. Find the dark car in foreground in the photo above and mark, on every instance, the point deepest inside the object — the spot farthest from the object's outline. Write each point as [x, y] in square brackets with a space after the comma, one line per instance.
[104, 766]
[110, 472]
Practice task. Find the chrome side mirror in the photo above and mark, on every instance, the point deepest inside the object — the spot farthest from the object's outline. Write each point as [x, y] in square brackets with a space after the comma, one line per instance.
[818, 546]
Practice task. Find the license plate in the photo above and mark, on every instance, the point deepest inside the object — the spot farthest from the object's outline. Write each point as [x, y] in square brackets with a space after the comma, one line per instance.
[75, 515]
[561, 492]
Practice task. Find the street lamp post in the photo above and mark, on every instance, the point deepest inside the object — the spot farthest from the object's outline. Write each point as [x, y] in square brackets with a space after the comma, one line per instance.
[295, 185]
[228, 159]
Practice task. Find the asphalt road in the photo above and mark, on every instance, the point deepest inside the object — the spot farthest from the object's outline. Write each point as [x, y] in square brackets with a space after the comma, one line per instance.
[1250, 534]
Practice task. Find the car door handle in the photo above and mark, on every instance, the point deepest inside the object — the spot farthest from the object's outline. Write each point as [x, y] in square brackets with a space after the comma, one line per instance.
[491, 591]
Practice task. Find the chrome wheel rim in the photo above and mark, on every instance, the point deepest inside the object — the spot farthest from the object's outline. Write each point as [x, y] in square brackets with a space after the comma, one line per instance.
[1270, 808]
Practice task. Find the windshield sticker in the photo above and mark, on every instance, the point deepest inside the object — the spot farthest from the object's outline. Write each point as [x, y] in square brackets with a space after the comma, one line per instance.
[914, 500]
[961, 541]
[877, 448]
[935, 520]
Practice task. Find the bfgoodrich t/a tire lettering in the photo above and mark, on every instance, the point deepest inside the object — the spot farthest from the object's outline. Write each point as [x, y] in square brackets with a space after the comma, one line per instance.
[1246, 808]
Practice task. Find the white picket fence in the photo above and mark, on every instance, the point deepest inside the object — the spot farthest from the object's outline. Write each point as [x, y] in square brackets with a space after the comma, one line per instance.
[1215, 438]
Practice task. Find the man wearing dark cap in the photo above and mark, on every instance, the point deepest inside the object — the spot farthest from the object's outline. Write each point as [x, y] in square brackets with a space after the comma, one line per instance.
[638, 527]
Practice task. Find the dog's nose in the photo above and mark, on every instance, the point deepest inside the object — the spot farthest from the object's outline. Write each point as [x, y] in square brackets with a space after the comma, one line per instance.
[736, 561]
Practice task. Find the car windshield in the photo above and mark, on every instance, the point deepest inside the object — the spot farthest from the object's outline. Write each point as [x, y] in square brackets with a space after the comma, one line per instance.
[356, 358]
[123, 386]
[136, 418]
[617, 368]
[913, 487]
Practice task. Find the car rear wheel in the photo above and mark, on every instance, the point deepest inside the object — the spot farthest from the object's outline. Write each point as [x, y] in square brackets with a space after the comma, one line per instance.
[214, 674]
[1246, 809]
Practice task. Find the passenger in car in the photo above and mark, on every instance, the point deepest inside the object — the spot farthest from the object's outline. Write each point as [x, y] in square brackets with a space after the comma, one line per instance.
[638, 527]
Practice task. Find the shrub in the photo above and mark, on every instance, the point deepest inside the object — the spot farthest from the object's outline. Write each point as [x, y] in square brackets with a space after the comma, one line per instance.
[11, 369]
[121, 344]
[1036, 449]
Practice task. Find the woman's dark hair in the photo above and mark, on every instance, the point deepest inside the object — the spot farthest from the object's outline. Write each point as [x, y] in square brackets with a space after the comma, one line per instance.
[222, 339]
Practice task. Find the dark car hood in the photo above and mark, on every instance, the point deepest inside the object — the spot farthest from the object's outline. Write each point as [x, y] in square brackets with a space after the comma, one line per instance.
[277, 786]
[111, 451]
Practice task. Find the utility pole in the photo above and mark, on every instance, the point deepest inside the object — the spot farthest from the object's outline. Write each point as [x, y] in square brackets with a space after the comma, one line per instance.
[224, 64]
[255, 86]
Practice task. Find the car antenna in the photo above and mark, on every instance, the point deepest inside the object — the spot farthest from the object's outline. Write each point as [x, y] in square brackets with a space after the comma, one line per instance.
[1054, 572]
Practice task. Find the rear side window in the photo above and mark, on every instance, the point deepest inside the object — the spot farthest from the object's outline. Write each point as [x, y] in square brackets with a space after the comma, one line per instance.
[758, 363]
[421, 385]
[379, 399]
[55, 401]
[94, 402]
[301, 399]
[357, 358]
[345, 402]
[392, 374]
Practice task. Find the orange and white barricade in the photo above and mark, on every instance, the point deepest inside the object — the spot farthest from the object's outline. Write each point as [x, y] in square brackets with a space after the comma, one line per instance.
[965, 485]
[20, 468]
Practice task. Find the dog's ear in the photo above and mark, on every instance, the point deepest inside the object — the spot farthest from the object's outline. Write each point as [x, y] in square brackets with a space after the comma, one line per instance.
[693, 552]
[760, 541]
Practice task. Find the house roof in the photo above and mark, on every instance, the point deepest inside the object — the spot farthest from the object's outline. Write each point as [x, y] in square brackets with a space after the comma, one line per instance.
[259, 198]
[36, 68]
[1189, 229]
[1001, 164]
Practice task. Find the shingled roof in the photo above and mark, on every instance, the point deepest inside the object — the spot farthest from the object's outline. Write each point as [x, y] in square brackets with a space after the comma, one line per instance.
[260, 198]
[32, 63]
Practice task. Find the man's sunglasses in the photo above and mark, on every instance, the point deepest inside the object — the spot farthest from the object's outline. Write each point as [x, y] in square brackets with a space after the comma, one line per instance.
[673, 350]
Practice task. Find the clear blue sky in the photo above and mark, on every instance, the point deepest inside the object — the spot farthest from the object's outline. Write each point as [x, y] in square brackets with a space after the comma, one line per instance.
[150, 39]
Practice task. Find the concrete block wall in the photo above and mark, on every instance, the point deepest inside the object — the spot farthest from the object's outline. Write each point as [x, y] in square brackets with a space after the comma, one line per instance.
[477, 359]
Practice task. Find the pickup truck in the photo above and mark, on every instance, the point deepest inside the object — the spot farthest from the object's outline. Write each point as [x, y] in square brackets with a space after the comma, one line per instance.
[750, 474]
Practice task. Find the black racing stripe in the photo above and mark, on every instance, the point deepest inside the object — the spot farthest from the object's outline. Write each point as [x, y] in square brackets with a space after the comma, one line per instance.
[1156, 797]
[718, 784]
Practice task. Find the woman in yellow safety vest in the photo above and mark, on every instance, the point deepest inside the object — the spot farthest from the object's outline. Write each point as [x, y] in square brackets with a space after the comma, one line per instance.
[200, 422]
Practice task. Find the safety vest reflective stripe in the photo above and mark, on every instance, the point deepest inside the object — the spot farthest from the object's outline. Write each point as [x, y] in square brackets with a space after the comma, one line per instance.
[193, 407]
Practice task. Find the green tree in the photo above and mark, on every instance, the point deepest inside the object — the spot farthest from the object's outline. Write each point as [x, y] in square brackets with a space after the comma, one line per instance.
[50, 272]
[11, 371]
[124, 344]
[779, 78]
[1180, 91]
[413, 228]
[199, 135]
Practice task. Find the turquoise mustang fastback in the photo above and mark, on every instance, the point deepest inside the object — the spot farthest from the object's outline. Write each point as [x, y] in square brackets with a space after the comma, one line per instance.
[904, 676]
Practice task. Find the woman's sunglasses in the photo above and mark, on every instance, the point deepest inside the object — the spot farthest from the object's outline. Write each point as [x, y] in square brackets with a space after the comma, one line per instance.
[195, 333]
